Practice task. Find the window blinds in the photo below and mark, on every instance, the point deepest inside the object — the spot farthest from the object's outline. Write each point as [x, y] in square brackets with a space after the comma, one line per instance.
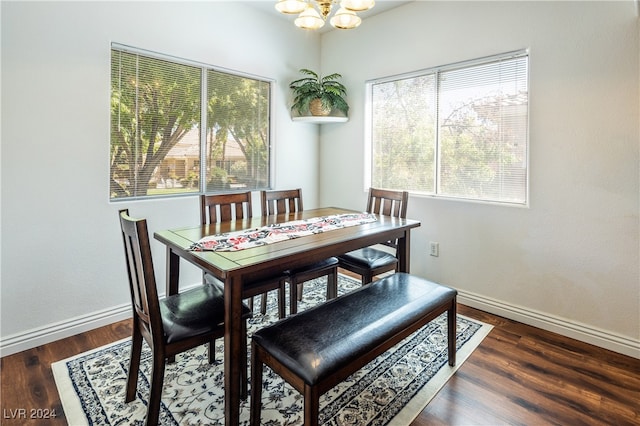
[456, 131]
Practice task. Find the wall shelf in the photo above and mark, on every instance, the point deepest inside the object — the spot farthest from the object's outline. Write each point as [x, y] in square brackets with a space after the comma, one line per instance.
[319, 119]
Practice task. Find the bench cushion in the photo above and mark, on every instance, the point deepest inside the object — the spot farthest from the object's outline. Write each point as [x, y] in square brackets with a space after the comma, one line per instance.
[321, 340]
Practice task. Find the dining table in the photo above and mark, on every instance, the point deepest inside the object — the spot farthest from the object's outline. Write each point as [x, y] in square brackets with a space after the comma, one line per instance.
[232, 267]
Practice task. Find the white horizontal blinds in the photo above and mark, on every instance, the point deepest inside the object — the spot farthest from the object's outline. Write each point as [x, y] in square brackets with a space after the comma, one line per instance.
[238, 146]
[403, 133]
[483, 132]
[155, 120]
[458, 131]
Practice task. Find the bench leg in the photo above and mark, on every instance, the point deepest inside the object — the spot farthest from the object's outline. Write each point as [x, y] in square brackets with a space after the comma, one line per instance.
[451, 332]
[256, 387]
[311, 405]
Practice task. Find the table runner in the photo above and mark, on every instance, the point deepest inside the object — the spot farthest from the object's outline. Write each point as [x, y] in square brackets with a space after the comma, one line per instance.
[248, 238]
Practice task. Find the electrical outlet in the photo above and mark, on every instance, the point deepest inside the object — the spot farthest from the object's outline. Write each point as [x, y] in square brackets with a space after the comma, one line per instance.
[434, 249]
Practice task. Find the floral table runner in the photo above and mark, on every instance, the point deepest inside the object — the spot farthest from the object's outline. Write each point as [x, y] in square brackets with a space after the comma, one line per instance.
[248, 238]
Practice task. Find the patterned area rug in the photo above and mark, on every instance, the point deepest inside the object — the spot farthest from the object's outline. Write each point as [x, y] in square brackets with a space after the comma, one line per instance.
[391, 390]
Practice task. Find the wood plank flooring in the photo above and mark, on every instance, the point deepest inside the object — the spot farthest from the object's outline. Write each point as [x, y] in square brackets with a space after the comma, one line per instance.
[519, 375]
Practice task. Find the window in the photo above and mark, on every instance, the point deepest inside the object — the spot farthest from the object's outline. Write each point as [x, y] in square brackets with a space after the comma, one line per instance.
[169, 117]
[457, 131]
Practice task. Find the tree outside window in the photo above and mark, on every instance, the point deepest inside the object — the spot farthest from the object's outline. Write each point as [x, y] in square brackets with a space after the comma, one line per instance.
[159, 142]
[457, 131]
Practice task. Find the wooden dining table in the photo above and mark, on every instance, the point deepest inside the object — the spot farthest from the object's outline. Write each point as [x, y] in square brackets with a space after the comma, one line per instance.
[234, 267]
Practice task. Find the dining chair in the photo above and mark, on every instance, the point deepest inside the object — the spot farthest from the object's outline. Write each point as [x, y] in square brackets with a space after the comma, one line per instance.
[370, 261]
[170, 325]
[216, 208]
[290, 201]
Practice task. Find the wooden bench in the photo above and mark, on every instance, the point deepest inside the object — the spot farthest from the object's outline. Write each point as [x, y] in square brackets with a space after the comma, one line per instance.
[316, 349]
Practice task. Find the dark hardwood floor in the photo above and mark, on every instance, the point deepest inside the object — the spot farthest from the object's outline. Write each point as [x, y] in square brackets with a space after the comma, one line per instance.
[519, 375]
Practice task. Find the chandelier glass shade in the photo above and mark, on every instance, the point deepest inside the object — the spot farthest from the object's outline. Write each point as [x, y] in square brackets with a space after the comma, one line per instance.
[345, 19]
[312, 14]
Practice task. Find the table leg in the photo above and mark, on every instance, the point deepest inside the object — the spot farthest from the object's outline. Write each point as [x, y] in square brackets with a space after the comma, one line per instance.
[173, 272]
[232, 349]
[404, 251]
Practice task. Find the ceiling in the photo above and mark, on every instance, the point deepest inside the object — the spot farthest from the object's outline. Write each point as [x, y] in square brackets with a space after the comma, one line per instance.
[268, 6]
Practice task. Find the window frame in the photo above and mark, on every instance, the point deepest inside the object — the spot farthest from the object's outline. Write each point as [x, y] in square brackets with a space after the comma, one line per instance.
[202, 159]
[437, 70]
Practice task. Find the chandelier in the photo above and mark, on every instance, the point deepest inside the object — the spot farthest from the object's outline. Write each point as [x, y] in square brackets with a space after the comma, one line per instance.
[312, 14]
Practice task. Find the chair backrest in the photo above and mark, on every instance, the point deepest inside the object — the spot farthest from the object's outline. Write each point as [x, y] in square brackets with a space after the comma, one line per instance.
[142, 281]
[225, 207]
[387, 202]
[281, 201]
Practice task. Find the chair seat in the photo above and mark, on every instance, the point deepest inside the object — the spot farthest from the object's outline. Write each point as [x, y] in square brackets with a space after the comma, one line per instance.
[252, 288]
[318, 266]
[194, 312]
[369, 257]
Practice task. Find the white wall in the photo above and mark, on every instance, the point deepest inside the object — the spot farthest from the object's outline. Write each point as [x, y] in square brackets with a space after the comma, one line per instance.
[570, 262]
[62, 262]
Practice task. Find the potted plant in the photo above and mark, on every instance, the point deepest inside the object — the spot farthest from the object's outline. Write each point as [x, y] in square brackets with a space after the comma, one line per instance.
[318, 95]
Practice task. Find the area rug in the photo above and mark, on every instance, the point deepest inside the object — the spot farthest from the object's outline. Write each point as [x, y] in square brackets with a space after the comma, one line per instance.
[391, 390]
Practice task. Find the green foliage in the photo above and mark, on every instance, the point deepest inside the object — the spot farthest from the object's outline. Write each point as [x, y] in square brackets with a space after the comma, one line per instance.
[218, 180]
[404, 135]
[328, 89]
[238, 108]
[191, 181]
[479, 159]
[155, 103]
[478, 155]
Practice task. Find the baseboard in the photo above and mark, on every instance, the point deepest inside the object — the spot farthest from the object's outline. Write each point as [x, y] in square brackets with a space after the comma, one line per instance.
[60, 330]
[51, 332]
[574, 330]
